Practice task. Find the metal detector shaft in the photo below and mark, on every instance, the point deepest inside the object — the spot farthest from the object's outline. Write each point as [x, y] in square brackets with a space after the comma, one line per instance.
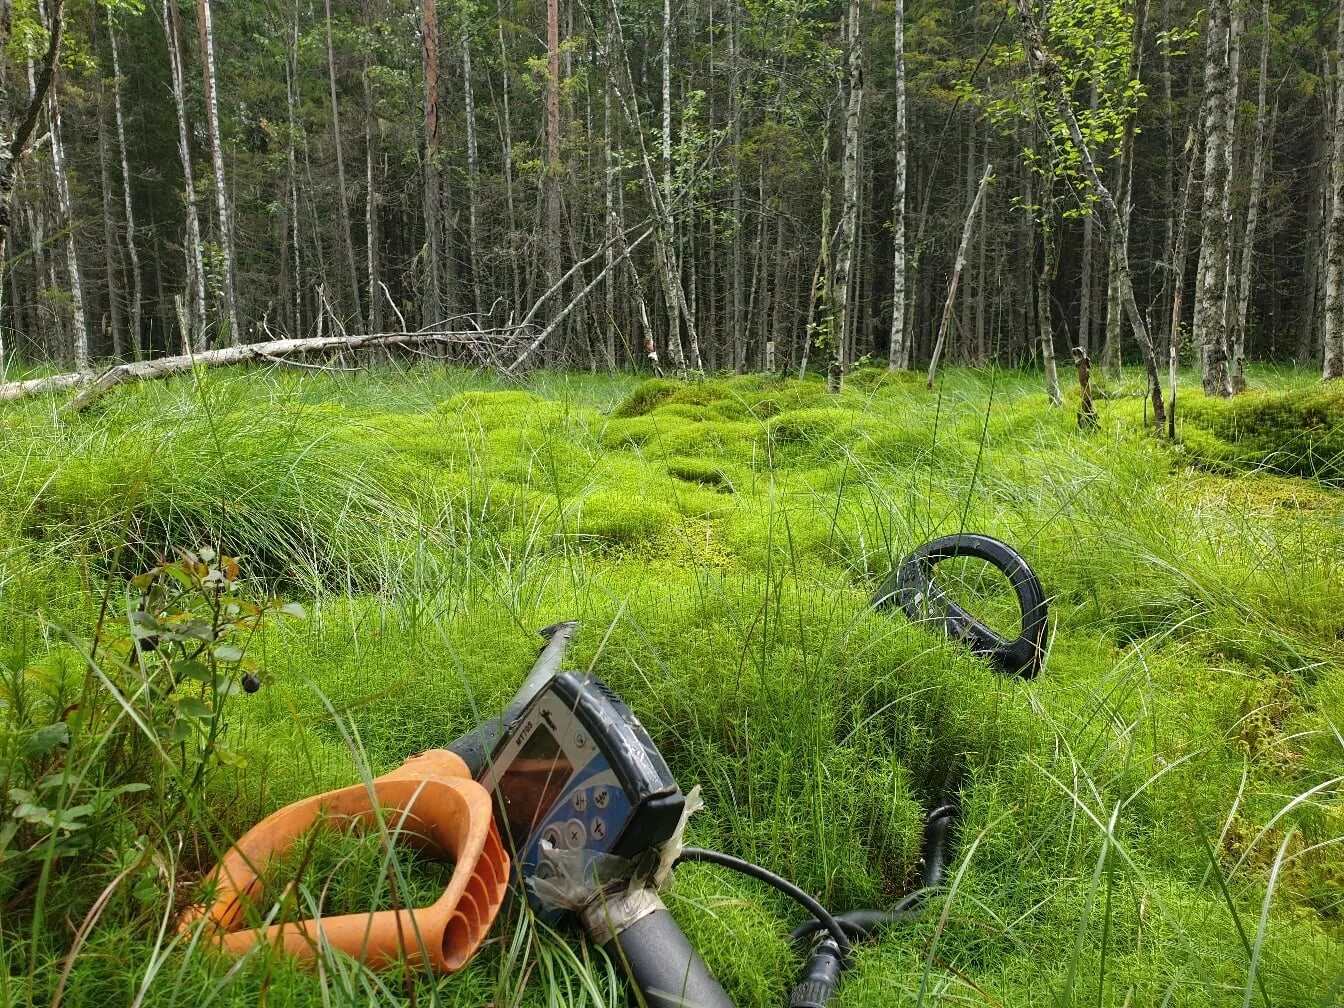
[475, 746]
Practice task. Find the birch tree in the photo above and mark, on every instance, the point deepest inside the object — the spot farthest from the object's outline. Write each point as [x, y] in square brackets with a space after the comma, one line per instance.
[847, 241]
[132, 250]
[898, 354]
[207, 31]
[1241, 290]
[1043, 65]
[1334, 263]
[192, 306]
[78, 323]
[342, 195]
[1211, 277]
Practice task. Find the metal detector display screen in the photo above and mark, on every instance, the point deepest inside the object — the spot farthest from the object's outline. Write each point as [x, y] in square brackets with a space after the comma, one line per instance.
[536, 778]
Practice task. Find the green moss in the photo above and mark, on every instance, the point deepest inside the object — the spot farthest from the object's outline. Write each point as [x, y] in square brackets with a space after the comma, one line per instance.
[1297, 433]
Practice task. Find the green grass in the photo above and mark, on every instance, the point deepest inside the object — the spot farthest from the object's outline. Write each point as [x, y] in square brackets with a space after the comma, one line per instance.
[1160, 810]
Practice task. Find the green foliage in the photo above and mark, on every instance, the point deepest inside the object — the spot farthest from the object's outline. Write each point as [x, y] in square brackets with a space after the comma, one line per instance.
[718, 540]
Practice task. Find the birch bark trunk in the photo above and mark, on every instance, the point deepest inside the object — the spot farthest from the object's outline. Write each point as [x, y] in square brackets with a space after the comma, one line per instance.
[132, 250]
[1211, 283]
[1258, 158]
[1334, 262]
[79, 324]
[194, 334]
[111, 265]
[849, 208]
[898, 353]
[473, 171]
[960, 264]
[207, 32]
[433, 310]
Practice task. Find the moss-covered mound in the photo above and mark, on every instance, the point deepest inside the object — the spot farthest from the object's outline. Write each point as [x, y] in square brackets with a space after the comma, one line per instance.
[1297, 433]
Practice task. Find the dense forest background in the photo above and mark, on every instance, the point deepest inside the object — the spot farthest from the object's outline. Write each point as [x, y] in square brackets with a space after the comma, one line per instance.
[729, 186]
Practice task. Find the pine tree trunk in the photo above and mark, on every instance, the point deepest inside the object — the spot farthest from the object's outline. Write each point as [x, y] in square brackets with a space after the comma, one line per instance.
[1211, 282]
[898, 353]
[849, 207]
[1235, 33]
[207, 31]
[132, 250]
[194, 335]
[342, 195]
[1258, 158]
[1334, 262]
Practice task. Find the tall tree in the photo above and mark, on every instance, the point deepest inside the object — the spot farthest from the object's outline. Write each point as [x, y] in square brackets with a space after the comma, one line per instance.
[18, 119]
[132, 249]
[841, 303]
[433, 312]
[205, 24]
[79, 327]
[1240, 296]
[342, 195]
[1334, 263]
[1045, 67]
[191, 311]
[898, 353]
[1211, 277]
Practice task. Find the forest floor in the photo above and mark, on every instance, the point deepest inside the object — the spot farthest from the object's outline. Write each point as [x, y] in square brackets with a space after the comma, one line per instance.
[1157, 819]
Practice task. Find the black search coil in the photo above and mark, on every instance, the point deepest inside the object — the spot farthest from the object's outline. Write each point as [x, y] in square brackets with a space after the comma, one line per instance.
[912, 587]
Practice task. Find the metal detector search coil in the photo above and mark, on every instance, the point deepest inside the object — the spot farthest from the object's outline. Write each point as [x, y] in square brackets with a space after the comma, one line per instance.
[912, 587]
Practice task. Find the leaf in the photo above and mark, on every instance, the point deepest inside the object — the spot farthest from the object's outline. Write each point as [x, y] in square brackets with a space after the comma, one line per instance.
[294, 609]
[190, 668]
[228, 653]
[28, 812]
[58, 779]
[133, 788]
[182, 729]
[44, 740]
[225, 687]
[192, 707]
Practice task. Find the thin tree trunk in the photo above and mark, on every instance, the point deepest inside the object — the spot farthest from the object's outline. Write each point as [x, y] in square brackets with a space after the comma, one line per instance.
[957, 267]
[1258, 157]
[207, 32]
[736, 283]
[841, 303]
[1044, 282]
[194, 336]
[371, 235]
[609, 222]
[1211, 285]
[473, 172]
[111, 267]
[292, 181]
[1044, 65]
[506, 156]
[342, 195]
[1235, 34]
[433, 249]
[79, 324]
[132, 251]
[1179, 256]
[898, 352]
[1334, 262]
[1086, 336]
[552, 133]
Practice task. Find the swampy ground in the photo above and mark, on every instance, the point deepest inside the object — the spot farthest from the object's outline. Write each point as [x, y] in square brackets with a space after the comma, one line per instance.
[1157, 819]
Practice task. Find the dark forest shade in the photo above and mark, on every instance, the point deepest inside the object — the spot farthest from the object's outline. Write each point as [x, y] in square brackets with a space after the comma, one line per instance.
[419, 161]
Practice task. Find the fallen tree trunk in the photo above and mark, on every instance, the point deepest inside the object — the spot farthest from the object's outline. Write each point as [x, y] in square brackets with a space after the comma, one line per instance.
[93, 385]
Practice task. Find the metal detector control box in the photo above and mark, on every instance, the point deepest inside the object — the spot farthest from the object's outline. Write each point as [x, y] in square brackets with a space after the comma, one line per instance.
[578, 772]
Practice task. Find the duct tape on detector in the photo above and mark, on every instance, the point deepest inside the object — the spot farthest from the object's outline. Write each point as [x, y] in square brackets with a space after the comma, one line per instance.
[913, 588]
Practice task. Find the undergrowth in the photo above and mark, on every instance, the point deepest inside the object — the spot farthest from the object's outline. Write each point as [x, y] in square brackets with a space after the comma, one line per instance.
[1156, 820]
